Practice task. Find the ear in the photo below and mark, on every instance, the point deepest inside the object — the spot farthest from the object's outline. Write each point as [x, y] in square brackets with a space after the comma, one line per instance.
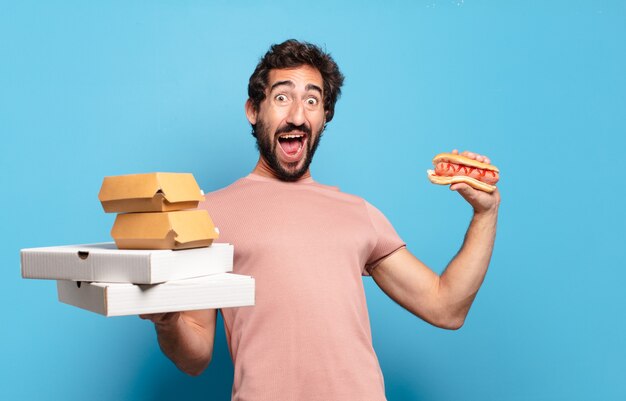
[251, 113]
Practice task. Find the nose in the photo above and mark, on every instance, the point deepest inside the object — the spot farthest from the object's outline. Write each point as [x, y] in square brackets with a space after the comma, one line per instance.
[296, 114]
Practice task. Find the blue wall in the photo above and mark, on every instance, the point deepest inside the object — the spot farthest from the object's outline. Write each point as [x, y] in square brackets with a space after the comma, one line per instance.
[88, 90]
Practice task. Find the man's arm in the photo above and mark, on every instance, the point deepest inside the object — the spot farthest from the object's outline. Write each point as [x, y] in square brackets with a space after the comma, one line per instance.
[445, 300]
[186, 338]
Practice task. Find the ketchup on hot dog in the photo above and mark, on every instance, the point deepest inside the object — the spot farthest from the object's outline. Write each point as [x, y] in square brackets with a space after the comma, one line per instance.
[448, 169]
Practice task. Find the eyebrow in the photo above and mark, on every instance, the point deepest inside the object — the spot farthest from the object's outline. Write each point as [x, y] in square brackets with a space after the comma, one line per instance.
[279, 83]
[308, 87]
[313, 87]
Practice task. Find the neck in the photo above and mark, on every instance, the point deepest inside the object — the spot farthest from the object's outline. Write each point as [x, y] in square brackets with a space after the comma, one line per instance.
[263, 169]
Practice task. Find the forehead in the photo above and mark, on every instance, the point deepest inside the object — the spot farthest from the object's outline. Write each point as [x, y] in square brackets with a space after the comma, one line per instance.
[300, 76]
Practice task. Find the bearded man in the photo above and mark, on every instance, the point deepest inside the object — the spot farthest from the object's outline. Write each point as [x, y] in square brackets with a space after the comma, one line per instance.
[308, 245]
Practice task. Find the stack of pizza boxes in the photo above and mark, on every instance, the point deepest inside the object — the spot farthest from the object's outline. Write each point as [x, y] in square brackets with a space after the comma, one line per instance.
[163, 259]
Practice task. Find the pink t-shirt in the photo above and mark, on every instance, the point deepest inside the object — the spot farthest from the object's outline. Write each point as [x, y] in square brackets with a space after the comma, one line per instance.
[307, 245]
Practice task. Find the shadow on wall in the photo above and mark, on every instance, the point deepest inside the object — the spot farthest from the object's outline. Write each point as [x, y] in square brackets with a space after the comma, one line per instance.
[160, 380]
[399, 387]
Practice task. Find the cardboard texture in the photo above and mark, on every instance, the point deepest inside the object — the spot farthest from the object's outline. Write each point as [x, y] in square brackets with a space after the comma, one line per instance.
[222, 290]
[152, 192]
[104, 262]
[166, 230]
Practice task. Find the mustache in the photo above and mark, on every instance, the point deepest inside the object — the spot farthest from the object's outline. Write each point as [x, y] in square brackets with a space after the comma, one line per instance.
[291, 127]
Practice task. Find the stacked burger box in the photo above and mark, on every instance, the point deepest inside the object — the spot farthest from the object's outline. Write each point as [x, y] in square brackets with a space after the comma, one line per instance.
[153, 211]
[164, 258]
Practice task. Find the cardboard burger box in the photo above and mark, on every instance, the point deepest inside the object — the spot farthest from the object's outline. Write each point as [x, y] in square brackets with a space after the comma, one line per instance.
[167, 230]
[151, 192]
[115, 299]
[152, 216]
[104, 262]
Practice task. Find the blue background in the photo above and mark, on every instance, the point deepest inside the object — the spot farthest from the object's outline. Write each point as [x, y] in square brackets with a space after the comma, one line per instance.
[118, 87]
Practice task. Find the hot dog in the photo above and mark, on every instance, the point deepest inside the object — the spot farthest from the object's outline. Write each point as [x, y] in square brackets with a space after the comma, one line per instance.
[451, 168]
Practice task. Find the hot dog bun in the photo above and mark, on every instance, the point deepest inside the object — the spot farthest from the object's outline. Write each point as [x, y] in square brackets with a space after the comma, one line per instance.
[473, 182]
[466, 161]
[450, 176]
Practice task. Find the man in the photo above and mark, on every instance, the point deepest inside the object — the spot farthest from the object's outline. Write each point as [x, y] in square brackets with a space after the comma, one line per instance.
[307, 245]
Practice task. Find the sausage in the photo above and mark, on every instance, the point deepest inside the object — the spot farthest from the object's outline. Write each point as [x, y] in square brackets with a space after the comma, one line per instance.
[449, 169]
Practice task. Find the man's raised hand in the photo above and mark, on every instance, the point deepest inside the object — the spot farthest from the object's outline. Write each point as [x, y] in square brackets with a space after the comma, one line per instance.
[481, 202]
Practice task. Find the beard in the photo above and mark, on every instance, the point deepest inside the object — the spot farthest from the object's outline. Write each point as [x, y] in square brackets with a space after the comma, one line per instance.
[267, 148]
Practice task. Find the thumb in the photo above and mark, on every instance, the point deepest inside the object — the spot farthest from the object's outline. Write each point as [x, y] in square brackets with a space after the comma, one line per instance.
[461, 187]
[467, 192]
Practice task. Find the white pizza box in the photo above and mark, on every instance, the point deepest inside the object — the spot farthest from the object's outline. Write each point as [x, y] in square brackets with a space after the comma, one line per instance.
[105, 263]
[223, 290]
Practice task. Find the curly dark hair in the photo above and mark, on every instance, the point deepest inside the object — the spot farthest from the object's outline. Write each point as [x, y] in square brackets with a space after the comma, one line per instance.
[291, 54]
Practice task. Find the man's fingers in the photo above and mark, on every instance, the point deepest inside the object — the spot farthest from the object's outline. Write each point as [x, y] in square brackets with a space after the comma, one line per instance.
[161, 318]
[469, 154]
[158, 317]
[472, 155]
[152, 316]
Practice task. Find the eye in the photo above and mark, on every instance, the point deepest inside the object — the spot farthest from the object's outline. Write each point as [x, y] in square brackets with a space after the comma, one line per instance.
[281, 98]
[312, 101]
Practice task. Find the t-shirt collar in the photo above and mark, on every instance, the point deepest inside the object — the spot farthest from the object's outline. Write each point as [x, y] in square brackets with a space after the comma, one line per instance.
[258, 177]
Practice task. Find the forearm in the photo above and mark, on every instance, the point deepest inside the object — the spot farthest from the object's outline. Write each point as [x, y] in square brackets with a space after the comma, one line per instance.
[461, 280]
[185, 343]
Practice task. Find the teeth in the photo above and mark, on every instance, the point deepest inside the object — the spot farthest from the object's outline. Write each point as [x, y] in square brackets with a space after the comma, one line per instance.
[291, 136]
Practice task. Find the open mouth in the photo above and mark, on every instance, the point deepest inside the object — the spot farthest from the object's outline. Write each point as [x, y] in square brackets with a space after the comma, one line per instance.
[292, 143]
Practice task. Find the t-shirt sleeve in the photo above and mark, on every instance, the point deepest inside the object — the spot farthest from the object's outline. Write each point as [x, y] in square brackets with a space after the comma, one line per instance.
[387, 240]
